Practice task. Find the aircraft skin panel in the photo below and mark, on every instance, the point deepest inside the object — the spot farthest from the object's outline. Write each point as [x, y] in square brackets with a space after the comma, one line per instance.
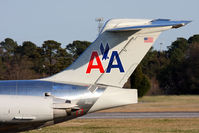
[25, 108]
[93, 82]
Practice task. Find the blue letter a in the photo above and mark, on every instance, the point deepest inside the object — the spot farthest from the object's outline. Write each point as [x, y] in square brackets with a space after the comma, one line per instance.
[118, 65]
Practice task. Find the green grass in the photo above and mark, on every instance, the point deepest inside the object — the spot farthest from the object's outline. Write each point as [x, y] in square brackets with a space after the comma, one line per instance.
[162, 104]
[171, 99]
[180, 125]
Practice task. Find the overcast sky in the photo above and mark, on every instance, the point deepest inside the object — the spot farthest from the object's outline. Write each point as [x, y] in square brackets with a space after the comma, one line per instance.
[65, 21]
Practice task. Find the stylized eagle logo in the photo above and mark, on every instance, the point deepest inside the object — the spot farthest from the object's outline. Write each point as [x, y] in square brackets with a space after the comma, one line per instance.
[104, 51]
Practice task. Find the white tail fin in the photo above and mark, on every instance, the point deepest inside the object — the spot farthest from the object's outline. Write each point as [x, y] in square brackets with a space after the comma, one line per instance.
[117, 51]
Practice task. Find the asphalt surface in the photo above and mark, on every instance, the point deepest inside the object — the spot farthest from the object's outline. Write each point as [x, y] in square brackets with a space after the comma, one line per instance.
[127, 115]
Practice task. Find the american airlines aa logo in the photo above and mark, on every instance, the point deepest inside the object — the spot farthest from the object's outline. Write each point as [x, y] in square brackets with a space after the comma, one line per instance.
[104, 52]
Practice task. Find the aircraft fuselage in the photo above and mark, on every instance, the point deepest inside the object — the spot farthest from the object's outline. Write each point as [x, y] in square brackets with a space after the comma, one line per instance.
[42, 103]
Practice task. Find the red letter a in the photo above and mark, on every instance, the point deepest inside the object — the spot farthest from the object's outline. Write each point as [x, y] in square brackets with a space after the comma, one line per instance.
[99, 64]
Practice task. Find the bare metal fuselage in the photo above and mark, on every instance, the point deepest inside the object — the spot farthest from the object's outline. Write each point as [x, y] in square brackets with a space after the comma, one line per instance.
[30, 104]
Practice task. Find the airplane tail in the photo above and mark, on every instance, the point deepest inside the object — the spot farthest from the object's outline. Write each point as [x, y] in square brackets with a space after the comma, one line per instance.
[117, 51]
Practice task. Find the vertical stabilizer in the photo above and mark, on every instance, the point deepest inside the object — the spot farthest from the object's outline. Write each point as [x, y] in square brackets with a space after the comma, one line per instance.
[117, 51]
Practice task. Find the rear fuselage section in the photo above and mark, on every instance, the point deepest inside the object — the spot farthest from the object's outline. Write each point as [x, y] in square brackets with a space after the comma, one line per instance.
[42, 103]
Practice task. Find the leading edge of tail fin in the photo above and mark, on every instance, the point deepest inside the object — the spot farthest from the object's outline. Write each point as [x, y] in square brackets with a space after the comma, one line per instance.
[117, 51]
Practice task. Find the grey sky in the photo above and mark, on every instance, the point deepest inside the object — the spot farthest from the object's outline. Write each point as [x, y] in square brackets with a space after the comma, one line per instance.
[66, 21]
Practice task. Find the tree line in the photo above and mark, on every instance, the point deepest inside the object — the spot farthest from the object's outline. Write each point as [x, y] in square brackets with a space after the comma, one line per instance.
[173, 71]
[29, 61]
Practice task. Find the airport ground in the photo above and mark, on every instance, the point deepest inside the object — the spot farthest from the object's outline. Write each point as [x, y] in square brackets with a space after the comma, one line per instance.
[138, 125]
[185, 103]
[173, 125]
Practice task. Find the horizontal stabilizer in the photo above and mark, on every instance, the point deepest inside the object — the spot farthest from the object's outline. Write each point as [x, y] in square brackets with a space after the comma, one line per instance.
[152, 24]
[115, 97]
